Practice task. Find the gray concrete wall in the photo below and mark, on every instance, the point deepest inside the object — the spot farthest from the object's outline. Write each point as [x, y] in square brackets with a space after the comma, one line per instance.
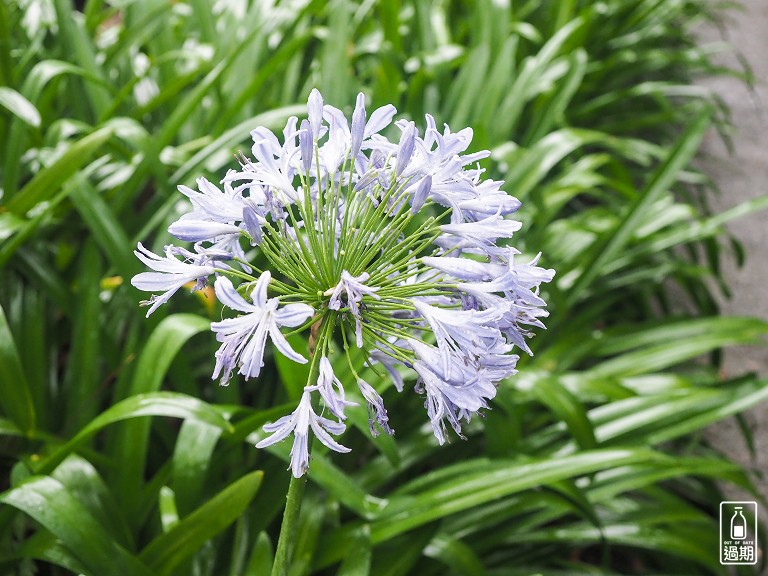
[743, 176]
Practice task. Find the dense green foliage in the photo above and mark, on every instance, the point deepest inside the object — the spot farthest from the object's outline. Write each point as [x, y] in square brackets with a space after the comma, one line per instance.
[591, 460]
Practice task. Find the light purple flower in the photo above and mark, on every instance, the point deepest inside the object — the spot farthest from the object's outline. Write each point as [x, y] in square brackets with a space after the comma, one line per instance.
[517, 279]
[513, 312]
[243, 338]
[454, 392]
[298, 423]
[377, 414]
[332, 390]
[199, 230]
[353, 288]
[315, 112]
[212, 204]
[358, 126]
[405, 147]
[488, 199]
[485, 232]
[306, 146]
[170, 275]
[464, 268]
[390, 365]
[331, 209]
[472, 332]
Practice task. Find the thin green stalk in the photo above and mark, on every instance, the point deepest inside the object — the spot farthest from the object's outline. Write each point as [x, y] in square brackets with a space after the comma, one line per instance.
[288, 528]
[287, 538]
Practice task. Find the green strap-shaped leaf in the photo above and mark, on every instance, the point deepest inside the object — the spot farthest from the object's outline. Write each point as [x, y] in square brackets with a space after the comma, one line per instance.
[185, 538]
[83, 397]
[567, 407]
[170, 404]
[43, 545]
[131, 440]
[455, 554]
[104, 226]
[15, 397]
[261, 558]
[666, 175]
[191, 456]
[19, 106]
[665, 353]
[86, 485]
[162, 346]
[49, 180]
[48, 502]
[494, 481]
[169, 514]
[358, 561]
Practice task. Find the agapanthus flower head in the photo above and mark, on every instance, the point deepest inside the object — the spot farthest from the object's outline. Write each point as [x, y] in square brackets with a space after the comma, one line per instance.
[395, 247]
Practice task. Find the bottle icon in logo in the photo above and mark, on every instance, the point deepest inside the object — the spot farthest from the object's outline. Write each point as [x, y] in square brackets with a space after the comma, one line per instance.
[738, 525]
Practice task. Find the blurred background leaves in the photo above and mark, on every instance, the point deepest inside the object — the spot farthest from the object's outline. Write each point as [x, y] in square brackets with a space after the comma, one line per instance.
[122, 457]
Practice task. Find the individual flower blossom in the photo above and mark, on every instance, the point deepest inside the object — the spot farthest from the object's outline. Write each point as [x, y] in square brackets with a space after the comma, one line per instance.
[298, 423]
[332, 390]
[170, 275]
[244, 338]
[213, 204]
[455, 387]
[377, 414]
[349, 293]
[393, 251]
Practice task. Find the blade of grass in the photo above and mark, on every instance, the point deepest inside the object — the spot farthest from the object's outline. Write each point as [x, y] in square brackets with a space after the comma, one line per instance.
[15, 396]
[185, 538]
[48, 502]
[50, 179]
[19, 106]
[660, 182]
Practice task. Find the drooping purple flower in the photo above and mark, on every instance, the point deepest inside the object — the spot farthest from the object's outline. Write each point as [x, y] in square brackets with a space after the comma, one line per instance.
[465, 269]
[484, 232]
[170, 275]
[455, 389]
[332, 390]
[377, 414]
[518, 279]
[473, 332]
[390, 365]
[299, 423]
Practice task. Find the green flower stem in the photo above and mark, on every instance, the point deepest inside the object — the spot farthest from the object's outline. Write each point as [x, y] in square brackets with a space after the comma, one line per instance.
[287, 537]
[238, 274]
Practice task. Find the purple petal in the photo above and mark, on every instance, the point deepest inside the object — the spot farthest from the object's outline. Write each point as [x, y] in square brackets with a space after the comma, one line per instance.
[315, 112]
[425, 186]
[405, 148]
[228, 296]
[199, 230]
[358, 125]
[293, 314]
[380, 119]
[282, 344]
[306, 145]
